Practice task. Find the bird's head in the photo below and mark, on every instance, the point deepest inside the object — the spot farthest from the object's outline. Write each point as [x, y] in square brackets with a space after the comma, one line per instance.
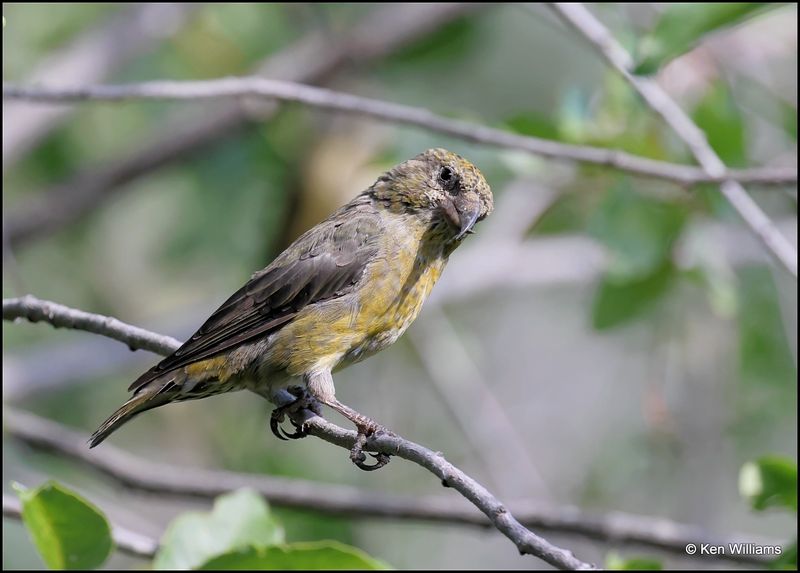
[443, 188]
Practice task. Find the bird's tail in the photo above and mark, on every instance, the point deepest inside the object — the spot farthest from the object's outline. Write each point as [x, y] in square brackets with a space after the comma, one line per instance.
[140, 402]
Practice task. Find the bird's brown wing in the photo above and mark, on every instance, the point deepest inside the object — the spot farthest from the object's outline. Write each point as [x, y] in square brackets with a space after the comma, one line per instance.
[325, 263]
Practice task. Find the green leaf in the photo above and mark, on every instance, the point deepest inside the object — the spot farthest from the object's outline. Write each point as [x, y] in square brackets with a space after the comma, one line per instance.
[770, 481]
[568, 213]
[237, 520]
[619, 300]
[451, 42]
[295, 556]
[789, 119]
[68, 531]
[639, 231]
[616, 562]
[533, 124]
[788, 558]
[683, 25]
[721, 120]
[764, 352]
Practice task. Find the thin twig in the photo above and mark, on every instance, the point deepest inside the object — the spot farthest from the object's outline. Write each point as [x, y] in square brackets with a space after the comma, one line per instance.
[526, 541]
[243, 87]
[127, 541]
[143, 475]
[60, 316]
[582, 20]
[91, 57]
[315, 58]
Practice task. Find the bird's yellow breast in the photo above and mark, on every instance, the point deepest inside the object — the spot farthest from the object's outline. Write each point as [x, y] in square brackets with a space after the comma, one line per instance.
[389, 296]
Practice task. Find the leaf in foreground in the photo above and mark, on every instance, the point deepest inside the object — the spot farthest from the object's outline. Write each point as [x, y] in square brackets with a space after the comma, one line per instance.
[295, 556]
[68, 531]
[237, 520]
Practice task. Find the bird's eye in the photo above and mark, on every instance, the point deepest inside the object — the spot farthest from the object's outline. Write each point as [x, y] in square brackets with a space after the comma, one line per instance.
[447, 178]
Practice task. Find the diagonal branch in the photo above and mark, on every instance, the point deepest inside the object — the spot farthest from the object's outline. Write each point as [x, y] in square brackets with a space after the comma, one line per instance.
[91, 57]
[314, 58]
[526, 541]
[582, 20]
[143, 475]
[128, 542]
[60, 316]
[255, 87]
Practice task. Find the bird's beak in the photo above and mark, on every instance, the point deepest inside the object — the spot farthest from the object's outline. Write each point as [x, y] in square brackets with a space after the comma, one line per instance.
[462, 215]
[467, 219]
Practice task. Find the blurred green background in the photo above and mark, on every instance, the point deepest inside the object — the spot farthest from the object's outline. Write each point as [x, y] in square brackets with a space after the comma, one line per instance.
[605, 341]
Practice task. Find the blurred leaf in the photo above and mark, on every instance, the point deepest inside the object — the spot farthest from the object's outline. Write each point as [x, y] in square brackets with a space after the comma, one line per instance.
[574, 115]
[770, 481]
[295, 556]
[787, 560]
[616, 562]
[639, 230]
[721, 120]
[450, 42]
[533, 124]
[567, 214]
[619, 300]
[237, 520]
[764, 353]
[69, 532]
[683, 25]
[789, 113]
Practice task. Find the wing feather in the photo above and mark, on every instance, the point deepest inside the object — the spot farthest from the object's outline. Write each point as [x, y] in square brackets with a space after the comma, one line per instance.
[325, 263]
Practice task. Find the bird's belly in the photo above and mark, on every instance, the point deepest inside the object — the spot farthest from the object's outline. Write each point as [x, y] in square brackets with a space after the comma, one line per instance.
[389, 309]
[344, 331]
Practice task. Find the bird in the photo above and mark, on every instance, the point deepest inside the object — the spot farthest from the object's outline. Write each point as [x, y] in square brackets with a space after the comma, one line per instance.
[344, 290]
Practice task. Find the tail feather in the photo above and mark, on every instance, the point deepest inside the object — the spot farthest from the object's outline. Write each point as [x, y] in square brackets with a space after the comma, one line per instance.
[140, 402]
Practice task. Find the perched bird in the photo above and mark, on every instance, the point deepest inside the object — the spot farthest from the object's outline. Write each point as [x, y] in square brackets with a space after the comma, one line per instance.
[344, 290]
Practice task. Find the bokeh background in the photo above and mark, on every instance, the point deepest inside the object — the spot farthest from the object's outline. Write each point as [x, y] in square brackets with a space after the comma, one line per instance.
[604, 341]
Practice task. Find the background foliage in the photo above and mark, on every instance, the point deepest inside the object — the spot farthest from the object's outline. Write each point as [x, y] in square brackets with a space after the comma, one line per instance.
[643, 385]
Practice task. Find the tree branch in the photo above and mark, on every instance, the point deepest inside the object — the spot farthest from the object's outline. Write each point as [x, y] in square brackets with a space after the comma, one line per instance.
[526, 541]
[312, 59]
[90, 58]
[256, 87]
[144, 475]
[127, 541]
[34, 310]
[582, 20]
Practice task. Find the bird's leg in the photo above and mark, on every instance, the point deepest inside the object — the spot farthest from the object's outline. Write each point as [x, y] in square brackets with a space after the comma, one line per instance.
[365, 427]
[291, 401]
[320, 385]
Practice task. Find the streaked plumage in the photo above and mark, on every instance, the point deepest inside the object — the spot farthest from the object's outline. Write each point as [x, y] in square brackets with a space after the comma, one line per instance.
[345, 289]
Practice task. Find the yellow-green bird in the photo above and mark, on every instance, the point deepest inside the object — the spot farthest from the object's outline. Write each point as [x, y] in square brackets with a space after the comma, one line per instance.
[344, 290]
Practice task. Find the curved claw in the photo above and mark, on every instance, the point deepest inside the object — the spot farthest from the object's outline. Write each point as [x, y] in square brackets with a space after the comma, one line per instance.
[277, 418]
[358, 458]
[380, 461]
[275, 423]
[300, 432]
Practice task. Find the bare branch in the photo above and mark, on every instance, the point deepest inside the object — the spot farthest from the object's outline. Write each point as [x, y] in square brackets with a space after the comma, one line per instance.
[127, 541]
[255, 87]
[582, 20]
[314, 59]
[144, 475]
[34, 310]
[525, 540]
[92, 57]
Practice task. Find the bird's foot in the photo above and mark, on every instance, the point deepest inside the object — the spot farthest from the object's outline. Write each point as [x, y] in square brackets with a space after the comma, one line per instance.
[303, 401]
[367, 428]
